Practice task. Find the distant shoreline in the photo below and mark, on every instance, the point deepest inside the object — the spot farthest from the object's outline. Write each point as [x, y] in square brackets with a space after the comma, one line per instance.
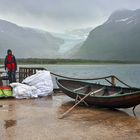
[69, 61]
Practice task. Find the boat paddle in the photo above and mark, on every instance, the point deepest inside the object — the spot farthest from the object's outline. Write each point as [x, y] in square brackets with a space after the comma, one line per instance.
[90, 93]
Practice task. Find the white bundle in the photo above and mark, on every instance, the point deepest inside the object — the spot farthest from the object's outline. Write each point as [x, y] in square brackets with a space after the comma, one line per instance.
[21, 91]
[42, 81]
[39, 84]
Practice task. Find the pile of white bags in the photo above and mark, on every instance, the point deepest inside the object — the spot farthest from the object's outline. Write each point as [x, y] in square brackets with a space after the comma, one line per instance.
[39, 84]
[21, 91]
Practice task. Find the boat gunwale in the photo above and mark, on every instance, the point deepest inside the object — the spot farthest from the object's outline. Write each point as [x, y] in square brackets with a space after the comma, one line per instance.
[115, 95]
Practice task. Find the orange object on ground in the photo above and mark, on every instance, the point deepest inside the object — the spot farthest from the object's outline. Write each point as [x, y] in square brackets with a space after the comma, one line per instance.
[5, 91]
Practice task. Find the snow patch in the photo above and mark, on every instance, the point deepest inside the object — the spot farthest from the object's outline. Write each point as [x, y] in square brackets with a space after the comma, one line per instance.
[122, 20]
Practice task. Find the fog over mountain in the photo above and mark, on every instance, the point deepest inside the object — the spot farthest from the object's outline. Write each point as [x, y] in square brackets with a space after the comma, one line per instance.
[27, 42]
[117, 39]
[34, 43]
[61, 15]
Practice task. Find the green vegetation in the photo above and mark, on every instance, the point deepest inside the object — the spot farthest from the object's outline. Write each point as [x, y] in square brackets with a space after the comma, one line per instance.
[68, 61]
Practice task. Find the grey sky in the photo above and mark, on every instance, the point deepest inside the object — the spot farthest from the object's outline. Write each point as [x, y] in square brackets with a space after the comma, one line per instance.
[61, 15]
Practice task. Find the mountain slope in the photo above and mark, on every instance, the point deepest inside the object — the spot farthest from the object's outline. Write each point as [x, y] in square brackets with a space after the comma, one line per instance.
[27, 42]
[117, 39]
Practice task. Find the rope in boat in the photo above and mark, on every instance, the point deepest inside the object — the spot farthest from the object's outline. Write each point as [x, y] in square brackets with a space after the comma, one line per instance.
[121, 81]
[80, 78]
[99, 78]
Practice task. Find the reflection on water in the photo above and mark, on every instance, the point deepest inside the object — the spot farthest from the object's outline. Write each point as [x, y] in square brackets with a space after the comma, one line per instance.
[67, 105]
[121, 120]
[84, 112]
[42, 101]
[6, 107]
[9, 123]
[135, 113]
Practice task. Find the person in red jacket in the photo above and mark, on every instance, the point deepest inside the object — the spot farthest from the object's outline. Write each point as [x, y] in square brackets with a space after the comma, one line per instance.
[10, 66]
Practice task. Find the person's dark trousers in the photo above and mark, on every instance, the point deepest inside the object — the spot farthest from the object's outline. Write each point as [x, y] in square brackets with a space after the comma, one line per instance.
[1, 84]
[12, 76]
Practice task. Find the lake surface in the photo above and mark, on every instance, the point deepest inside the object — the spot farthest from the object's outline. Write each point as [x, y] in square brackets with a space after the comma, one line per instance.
[129, 73]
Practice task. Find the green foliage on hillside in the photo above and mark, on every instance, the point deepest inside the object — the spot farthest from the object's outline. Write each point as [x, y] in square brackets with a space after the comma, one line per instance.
[67, 61]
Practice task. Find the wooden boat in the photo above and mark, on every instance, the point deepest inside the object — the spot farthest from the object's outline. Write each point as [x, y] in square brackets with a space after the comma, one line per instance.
[101, 95]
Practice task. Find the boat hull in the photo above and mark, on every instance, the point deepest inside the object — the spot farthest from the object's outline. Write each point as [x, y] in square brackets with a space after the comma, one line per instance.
[125, 100]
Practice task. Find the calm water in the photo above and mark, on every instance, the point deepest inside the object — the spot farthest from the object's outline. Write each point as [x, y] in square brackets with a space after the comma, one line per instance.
[129, 73]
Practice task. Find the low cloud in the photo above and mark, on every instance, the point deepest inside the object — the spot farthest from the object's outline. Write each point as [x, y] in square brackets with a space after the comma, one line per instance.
[60, 15]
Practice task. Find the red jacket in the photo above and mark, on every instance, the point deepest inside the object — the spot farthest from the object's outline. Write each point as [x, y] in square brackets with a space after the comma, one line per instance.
[10, 63]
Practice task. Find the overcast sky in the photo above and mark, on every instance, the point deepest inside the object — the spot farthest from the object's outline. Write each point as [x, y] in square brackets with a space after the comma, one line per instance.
[61, 15]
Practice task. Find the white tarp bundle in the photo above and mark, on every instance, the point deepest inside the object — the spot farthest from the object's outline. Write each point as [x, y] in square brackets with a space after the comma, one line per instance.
[21, 91]
[39, 84]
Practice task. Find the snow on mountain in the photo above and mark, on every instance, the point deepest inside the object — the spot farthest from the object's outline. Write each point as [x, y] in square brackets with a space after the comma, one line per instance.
[125, 17]
[117, 39]
[34, 43]
[71, 42]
